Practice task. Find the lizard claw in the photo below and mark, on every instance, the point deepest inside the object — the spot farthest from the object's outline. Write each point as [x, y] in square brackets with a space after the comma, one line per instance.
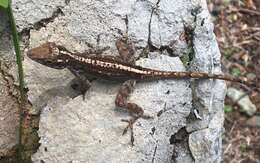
[83, 95]
[130, 125]
[126, 128]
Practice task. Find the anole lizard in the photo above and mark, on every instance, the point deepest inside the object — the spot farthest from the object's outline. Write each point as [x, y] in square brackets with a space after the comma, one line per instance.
[114, 68]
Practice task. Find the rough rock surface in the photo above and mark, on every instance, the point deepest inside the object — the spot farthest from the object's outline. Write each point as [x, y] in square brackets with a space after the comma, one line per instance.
[8, 117]
[91, 121]
[8, 103]
[246, 105]
[74, 130]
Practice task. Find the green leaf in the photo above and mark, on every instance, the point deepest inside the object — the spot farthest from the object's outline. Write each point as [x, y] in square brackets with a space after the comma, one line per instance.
[228, 108]
[243, 147]
[4, 4]
[20, 73]
[236, 71]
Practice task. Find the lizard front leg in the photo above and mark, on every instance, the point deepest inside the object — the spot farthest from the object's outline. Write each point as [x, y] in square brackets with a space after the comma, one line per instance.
[136, 111]
[83, 83]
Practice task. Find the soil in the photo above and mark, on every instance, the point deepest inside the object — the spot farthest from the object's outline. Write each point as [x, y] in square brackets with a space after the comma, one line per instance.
[238, 34]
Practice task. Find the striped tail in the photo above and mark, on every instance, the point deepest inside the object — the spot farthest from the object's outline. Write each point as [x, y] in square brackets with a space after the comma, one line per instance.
[197, 75]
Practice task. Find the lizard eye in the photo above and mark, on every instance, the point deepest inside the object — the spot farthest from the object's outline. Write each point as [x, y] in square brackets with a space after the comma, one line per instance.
[55, 51]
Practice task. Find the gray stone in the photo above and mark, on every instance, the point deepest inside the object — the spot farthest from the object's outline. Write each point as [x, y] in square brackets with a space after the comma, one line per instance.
[71, 129]
[8, 117]
[83, 126]
[8, 103]
[45, 84]
[208, 95]
[28, 12]
[6, 45]
[242, 100]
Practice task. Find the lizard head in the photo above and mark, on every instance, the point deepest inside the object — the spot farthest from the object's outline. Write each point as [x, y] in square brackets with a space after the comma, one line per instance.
[49, 54]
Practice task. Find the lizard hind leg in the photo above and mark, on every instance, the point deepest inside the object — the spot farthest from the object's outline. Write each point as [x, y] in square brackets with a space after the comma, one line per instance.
[134, 110]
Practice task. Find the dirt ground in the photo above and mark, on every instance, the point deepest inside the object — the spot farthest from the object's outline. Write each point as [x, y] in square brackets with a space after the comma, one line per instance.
[238, 34]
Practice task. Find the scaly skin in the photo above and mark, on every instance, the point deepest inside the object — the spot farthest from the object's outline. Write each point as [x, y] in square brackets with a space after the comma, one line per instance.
[113, 68]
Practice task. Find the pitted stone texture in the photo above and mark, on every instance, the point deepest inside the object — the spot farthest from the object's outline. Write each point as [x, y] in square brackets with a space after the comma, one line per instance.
[45, 84]
[208, 96]
[8, 105]
[29, 12]
[96, 22]
[167, 25]
[8, 119]
[78, 131]
[6, 45]
[209, 140]
[96, 25]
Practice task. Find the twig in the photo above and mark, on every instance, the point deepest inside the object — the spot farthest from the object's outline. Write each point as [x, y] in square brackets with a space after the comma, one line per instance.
[228, 147]
[247, 11]
[243, 43]
[251, 28]
[232, 128]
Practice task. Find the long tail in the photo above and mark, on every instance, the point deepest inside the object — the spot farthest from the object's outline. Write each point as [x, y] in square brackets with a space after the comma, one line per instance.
[198, 75]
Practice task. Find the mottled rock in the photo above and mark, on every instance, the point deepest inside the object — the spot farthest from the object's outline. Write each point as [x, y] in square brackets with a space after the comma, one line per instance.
[8, 102]
[83, 126]
[75, 130]
[8, 118]
[242, 100]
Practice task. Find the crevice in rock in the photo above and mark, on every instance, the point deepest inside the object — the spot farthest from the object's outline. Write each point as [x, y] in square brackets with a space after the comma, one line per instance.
[9, 80]
[25, 33]
[152, 130]
[25, 37]
[149, 42]
[179, 140]
[195, 11]
[29, 124]
[162, 111]
[126, 23]
[44, 22]
[161, 49]
[154, 153]
[196, 112]
[188, 36]
[150, 46]
[179, 136]
[67, 2]
[198, 106]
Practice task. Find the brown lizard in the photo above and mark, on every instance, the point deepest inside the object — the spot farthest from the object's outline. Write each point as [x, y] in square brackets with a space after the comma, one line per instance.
[114, 68]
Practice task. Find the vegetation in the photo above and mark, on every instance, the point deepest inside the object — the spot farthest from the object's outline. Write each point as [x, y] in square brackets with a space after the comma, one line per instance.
[6, 6]
[238, 34]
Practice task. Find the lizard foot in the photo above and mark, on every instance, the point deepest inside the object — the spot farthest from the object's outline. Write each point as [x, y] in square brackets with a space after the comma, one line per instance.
[81, 88]
[129, 126]
[134, 110]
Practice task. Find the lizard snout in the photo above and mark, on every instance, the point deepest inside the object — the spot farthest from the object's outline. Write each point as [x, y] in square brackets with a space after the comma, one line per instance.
[44, 51]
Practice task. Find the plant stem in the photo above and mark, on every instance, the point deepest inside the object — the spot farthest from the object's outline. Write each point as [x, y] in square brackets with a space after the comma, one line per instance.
[21, 78]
